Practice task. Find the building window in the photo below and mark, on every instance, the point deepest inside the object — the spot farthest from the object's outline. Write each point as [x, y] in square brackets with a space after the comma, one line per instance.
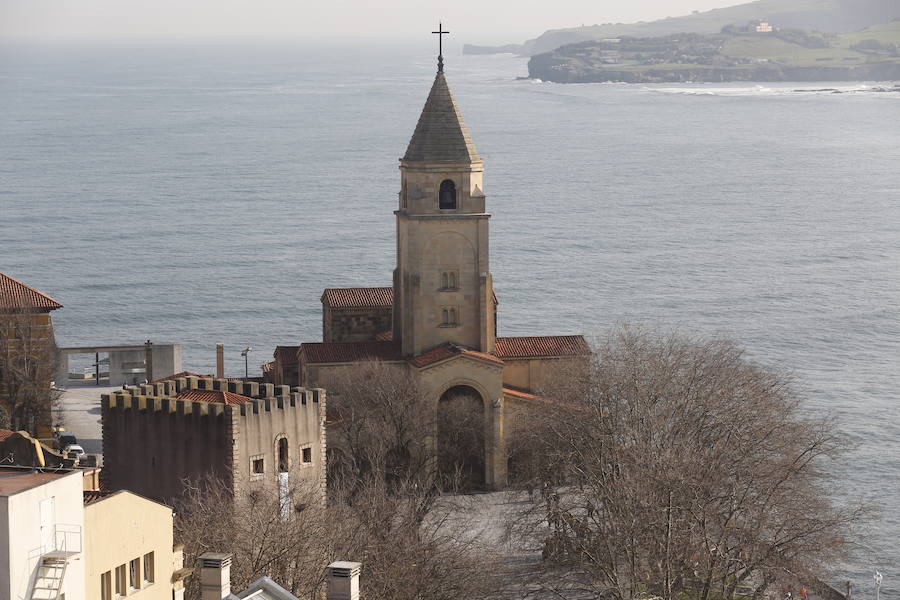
[306, 453]
[106, 586]
[450, 280]
[134, 574]
[449, 316]
[447, 196]
[148, 567]
[120, 580]
[257, 467]
[283, 458]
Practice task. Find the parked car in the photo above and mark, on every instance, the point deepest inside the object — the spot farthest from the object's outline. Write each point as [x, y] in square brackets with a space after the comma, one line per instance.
[74, 451]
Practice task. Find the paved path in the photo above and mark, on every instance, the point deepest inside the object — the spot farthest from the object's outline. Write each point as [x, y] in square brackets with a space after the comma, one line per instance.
[81, 413]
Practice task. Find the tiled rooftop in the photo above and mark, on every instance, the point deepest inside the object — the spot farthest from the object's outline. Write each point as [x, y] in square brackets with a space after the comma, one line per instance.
[377, 297]
[18, 295]
[179, 376]
[19, 479]
[542, 346]
[449, 350]
[345, 352]
[217, 396]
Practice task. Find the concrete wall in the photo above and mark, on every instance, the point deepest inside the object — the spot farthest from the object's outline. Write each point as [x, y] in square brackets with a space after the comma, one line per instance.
[127, 367]
[122, 527]
[23, 545]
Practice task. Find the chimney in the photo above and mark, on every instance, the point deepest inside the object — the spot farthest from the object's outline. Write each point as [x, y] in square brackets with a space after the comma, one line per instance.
[220, 361]
[215, 576]
[343, 580]
[148, 360]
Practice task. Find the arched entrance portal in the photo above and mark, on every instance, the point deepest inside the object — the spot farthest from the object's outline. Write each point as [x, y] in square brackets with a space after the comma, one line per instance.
[461, 443]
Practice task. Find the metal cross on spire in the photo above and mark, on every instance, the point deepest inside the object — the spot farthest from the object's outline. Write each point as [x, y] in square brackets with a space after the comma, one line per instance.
[440, 33]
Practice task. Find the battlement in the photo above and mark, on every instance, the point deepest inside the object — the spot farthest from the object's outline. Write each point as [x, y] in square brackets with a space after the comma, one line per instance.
[162, 397]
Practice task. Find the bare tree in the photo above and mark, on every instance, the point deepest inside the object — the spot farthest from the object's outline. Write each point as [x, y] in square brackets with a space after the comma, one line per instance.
[409, 546]
[379, 425]
[688, 468]
[29, 360]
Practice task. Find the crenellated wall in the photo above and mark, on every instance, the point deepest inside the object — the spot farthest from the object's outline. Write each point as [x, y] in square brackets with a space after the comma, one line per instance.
[153, 441]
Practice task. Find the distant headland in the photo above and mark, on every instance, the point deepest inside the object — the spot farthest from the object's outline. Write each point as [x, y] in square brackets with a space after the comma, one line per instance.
[762, 41]
[758, 52]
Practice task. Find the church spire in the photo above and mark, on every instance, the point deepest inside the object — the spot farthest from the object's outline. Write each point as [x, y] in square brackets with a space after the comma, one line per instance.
[441, 134]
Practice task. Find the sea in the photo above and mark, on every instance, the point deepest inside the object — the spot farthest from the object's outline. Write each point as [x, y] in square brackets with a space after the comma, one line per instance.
[208, 192]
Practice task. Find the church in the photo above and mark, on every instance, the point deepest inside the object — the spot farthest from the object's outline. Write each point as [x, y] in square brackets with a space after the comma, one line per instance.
[439, 317]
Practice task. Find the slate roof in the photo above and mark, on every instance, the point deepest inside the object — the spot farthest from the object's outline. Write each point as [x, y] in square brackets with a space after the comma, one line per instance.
[441, 135]
[377, 297]
[542, 346]
[17, 295]
[449, 350]
[217, 396]
[346, 352]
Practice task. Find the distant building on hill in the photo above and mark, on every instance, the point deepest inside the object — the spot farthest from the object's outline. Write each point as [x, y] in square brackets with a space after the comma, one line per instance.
[157, 435]
[764, 27]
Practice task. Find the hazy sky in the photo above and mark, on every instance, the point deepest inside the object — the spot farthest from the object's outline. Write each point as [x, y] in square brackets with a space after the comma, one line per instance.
[478, 21]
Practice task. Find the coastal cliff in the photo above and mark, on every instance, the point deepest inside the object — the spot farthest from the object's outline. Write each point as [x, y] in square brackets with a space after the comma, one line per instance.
[735, 54]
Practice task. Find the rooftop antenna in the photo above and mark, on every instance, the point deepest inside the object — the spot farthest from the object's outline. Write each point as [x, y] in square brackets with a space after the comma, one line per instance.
[440, 33]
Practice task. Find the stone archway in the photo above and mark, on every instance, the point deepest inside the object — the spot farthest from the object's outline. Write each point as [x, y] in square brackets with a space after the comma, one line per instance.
[461, 433]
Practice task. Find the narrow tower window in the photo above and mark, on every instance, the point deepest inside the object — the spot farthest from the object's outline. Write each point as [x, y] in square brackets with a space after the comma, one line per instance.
[448, 195]
[449, 280]
[283, 463]
[449, 316]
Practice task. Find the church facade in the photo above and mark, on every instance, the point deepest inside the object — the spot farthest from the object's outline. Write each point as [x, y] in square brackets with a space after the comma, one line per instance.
[439, 318]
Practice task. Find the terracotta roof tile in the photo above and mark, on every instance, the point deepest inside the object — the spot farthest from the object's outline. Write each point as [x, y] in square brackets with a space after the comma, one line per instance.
[5, 433]
[385, 336]
[286, 353]
[17, 295]
[520, 394]
[91, 496]
[216, 396]
[542, 346]
[345, 352]
[449, 350]
[378, 297]
[179, 376]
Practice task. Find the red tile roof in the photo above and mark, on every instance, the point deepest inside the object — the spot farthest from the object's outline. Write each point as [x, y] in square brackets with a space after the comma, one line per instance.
[179, 376]
[520, 394]
[446, 351]
[286, 353]
[379, 297]
[346, 352]
[385, 336]
[213, 396]
[543, 346]
[17, 295]
[5, 433]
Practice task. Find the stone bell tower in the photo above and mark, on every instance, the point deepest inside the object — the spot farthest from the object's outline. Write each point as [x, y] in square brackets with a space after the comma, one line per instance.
[443, 290]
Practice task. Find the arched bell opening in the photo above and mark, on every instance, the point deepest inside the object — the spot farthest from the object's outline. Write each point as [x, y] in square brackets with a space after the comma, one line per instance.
[461, 438]
[447, 195]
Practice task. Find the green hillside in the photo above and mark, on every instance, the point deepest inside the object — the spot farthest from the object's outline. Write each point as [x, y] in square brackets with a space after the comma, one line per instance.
[812, 15]
[735, 54]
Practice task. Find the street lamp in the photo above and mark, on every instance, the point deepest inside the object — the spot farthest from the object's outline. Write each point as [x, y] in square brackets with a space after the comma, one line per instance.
[246, 351]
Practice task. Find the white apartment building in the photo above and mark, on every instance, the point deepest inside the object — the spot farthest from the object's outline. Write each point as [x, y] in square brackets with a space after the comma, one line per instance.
[41, 530]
